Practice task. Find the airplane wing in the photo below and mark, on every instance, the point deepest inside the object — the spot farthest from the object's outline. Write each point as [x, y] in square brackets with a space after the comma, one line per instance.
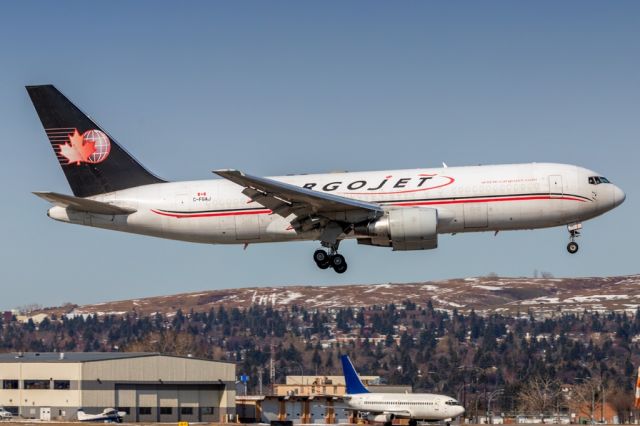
[82, 204]
[285, 199]
[405, 413]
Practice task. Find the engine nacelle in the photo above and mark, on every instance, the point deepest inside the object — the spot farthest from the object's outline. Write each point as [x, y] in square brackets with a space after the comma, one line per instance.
[383, 418]
[403, 228]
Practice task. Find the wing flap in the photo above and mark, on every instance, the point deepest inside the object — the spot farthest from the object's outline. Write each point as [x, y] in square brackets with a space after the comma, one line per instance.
[83, 204]
[283, 198]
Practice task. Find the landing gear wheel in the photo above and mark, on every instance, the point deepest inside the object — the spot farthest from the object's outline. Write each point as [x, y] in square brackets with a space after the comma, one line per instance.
[320, 256]
[337, 260]
[413, 422]
[341, 269]
[324, 265]
[572, 247]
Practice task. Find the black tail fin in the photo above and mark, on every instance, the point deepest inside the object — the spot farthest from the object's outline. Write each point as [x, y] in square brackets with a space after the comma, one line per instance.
[92, 160]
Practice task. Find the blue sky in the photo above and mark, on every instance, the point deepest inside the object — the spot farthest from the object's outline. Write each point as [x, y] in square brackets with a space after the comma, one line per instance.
[285, 87]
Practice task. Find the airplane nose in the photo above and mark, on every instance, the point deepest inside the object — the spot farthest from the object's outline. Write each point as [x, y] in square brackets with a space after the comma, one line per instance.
[618, 196]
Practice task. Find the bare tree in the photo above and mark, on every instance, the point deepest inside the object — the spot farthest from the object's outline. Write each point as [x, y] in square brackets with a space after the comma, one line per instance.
[583, 398]
[540, 395]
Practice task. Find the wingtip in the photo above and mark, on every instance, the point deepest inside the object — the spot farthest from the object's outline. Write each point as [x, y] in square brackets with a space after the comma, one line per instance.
[222, 172]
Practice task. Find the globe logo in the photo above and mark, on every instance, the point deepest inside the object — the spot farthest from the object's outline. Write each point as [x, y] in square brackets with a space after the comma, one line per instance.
[100, 142]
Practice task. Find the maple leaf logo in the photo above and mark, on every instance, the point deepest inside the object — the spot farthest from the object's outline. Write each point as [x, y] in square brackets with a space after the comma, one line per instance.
[77, 150]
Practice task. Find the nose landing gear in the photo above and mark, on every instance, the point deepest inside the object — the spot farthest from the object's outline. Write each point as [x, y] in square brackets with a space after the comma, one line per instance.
[334, 260]
[574, 232]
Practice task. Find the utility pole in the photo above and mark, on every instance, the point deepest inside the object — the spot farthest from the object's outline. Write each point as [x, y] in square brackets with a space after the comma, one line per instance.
[272, 371]
[602, 388]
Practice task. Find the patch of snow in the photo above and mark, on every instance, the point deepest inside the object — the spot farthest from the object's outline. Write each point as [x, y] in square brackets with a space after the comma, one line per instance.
[446, 302]
[377, 287]
[596, 298]
[429, 287]
[290, 297]
[541, 300]
[487, 287]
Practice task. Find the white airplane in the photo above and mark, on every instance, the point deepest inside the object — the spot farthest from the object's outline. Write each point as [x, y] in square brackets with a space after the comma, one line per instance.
[400, 209]
[108, 415]
[386, 406]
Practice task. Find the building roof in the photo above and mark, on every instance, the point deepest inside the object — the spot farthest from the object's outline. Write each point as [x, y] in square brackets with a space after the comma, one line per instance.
[20, 357]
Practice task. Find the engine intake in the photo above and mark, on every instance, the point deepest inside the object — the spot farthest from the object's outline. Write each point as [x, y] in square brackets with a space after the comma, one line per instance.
[403, 228]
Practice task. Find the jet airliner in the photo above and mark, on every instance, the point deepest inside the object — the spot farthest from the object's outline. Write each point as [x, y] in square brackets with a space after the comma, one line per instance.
[386, 406]
[398, 209]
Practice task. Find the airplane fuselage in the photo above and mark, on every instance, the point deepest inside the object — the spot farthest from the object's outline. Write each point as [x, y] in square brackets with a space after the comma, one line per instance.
[467, 199]
[430, 407]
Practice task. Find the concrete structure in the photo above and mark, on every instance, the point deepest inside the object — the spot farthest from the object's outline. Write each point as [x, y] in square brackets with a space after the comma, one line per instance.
[330, 385]
[298, 409]
[148, 386]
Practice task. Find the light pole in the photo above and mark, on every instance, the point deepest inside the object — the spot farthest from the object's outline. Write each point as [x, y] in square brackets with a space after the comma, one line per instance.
[491, 396]
[464, 378]
[602, 389]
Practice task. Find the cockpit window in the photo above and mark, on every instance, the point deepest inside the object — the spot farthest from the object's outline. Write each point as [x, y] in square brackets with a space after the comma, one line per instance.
[597, 180]
[452, 402]
[604, 180]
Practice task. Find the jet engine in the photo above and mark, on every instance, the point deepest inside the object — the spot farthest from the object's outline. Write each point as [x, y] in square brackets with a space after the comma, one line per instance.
[383, 418]
[404, 228]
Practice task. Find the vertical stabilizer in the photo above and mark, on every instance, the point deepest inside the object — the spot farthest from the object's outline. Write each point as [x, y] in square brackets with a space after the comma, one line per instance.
[637, 401]
[351, 378]
[93, 162]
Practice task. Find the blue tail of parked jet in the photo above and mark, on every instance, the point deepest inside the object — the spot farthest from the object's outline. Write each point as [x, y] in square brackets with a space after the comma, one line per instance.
[351, 379]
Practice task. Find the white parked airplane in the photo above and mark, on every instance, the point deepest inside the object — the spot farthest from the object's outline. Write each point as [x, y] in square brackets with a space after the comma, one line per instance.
[401, 209]
[108, 415]
[386, 406]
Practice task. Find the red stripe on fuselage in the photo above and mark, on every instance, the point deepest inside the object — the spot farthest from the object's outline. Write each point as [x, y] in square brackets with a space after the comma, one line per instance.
[212, 214]
[401, 204]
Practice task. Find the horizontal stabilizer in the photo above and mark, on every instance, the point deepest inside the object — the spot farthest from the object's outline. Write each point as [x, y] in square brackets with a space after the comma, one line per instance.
[82, 204]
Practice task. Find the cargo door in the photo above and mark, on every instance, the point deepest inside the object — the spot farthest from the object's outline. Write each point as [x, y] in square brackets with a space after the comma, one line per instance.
[318, 411]
[475, 215]
[247, 227]
[270, 410]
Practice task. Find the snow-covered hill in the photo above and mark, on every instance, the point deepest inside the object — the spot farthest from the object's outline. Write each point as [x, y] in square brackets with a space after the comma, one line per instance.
[485, 295]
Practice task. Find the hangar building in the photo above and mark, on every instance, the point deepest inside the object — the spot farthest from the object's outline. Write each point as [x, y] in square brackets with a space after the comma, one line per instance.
[147, 386]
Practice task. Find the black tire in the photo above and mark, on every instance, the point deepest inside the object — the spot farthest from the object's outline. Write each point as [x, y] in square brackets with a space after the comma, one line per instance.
[341, 269]
[337, 260]
[572, 247]
[320, 256]
[324, 265]
[413, 422]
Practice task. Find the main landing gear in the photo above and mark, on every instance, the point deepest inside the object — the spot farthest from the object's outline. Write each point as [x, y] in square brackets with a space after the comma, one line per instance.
[332, 259]
[574, 232]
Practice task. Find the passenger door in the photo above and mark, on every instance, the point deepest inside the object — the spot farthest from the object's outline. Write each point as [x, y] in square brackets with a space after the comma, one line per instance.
[555, 186]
